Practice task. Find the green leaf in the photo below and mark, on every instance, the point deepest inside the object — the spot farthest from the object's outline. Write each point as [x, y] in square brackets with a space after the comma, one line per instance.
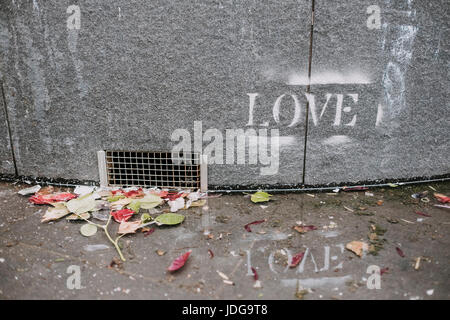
[260, 196]
[146, 218]
[115, 198]
[88, 230]
[83, 204]
[134, 205]
[150, 201]
[170, 218]
[85, 215]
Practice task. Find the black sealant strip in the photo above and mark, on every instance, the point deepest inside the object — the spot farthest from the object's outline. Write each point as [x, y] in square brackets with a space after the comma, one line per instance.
[9, 131]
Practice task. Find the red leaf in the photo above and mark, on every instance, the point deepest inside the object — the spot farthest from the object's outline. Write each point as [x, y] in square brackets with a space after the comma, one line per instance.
[296, 259]
[247, 226]
[134, 193]
[442, 198]
[400, 252]
[172, 196]
[161, 194]
[122, 215]
[384, 270]
[211, 254]
[422, 214]
[179, 262]
[51, 198]
[117, 192]
[255, 274]
[149, 232]
[304, 229]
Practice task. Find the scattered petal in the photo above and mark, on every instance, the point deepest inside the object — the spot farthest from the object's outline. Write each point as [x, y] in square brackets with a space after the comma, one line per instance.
[247, 226]
[179, 262]
[149, 232]
[400, 252]
[442, 198]
[255, 274]
[304, 229]
[296, 259]
[211, 254]
[422, 214]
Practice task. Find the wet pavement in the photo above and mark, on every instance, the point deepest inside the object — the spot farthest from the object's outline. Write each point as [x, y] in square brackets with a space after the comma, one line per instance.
[38, 260]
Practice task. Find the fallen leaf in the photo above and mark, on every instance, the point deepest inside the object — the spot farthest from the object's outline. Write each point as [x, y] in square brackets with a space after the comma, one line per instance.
[55, 213]
[122, 215]
[170, 218]
[357, 247]
[442, 198]
[255, 274]
[304, 229]
[146, 218]
[134, 205]
[247, 226]
[135, 193]
[260, 196]
[115, 262]
[149, 201]
[52, 198]
[383, 271]
[400, 252]
[46, 190]
[88, 230]
[83, 204]
[83, 216]
[30, 190]
[296, 259]
[128, 227]
[172, 196]
[380, 202]
[392, 185]
[119, 204]
[179, 262]
[211, 254]
[115, 198]
[198, 203]
[160, 252]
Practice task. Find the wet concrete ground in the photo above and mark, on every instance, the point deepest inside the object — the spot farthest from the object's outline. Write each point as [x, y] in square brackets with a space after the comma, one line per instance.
[35, 257]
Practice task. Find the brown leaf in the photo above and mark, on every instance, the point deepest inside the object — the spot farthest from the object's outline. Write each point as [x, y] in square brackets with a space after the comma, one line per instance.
[357, 247]
[304, 229]
[128, 227]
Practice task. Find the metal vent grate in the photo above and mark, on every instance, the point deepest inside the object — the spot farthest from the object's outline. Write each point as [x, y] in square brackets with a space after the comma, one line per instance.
[150, 169]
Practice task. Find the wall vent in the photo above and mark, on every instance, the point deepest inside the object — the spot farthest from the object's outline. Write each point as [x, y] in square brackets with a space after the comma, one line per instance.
[152, 169]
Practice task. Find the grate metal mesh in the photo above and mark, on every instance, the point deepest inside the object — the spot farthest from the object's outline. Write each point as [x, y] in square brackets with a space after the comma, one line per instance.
[153, 169]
